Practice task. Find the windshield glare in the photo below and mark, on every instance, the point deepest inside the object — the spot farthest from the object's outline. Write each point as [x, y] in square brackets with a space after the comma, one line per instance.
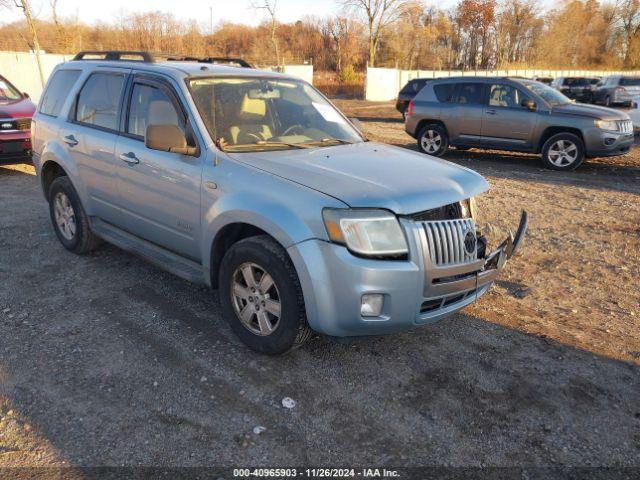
[552, 96]
[7, 92]
[250, 113]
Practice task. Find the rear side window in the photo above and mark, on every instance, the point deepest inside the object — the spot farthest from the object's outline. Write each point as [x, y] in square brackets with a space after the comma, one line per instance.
[444, 92]
[57, 91]
[99, 101]
[469, 93]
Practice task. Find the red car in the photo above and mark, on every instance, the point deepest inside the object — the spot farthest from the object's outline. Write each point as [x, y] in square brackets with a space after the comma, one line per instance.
[16, 111]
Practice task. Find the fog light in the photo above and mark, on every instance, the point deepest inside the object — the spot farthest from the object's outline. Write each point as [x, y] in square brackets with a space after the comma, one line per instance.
[609, 141]
[371, 304]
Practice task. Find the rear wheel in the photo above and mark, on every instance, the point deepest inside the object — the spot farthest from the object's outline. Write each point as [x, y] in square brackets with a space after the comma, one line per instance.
[563, 151]
[433, 140]
[261, 296]
[69, 219]
[607, 101]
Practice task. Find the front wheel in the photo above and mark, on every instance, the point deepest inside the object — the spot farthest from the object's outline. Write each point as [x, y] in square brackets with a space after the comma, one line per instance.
[433, 140]
[261, 296]
[563, 151]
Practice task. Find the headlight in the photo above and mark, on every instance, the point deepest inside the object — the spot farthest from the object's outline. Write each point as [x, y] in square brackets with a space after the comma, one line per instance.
[366, 232]
[611, 125]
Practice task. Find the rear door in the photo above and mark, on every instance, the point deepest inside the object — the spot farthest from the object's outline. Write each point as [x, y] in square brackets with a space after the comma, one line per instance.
[159, 191]
[463, 115]
[507, 124]
[90, 138]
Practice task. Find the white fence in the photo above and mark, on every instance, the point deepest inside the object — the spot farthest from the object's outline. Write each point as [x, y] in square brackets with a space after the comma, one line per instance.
[382, 84]
[21, 69]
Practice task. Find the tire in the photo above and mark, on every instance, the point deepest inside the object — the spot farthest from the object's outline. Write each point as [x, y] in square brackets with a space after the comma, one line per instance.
[563, 151]
[433, 140]
[607, 101]
[69, 219]
[243, 268]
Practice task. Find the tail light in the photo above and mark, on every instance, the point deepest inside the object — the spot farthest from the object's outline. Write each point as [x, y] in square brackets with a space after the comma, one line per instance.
[410, 109]
[621, 89]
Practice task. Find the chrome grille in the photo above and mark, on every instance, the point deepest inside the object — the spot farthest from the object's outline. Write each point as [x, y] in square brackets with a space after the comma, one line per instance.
[625, 126]
[446, 241]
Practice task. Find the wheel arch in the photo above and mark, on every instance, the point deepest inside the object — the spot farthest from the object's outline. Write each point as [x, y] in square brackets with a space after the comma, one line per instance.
[429, 121]
[554, 130]
[48, 173]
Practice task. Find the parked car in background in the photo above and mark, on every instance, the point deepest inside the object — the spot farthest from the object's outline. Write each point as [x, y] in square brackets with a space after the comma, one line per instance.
[408, 92]
[515, 114]
[16, 111]
[579, 89]
[545, 80]
[617, 90]
[272, 196]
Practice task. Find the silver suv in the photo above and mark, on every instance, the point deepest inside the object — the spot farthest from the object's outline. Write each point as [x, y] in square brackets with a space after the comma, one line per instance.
[515, 114]
[253, 183]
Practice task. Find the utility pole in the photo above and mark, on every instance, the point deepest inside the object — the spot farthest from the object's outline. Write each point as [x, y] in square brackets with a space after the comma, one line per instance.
[211, 20]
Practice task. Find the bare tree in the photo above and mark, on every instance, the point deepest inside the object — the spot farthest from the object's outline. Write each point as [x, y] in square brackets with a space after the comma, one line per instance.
[379, 14]
[34, 43]
[270, 6]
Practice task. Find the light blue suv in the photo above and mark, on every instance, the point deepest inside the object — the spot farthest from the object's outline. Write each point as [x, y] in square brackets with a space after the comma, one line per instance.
[253, 183]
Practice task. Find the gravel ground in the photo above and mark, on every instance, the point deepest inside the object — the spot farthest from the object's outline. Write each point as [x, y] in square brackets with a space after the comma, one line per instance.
[106, 360]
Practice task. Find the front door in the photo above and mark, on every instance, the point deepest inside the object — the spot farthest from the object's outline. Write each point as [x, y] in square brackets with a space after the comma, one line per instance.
[159, 191]
[507, 123]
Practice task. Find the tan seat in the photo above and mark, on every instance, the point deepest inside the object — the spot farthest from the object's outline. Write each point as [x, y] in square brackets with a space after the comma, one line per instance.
[253, 124]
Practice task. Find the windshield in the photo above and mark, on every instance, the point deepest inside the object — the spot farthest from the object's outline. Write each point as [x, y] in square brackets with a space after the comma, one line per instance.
[252, 113]
[552, 96]
[8, 92]
[576, 82]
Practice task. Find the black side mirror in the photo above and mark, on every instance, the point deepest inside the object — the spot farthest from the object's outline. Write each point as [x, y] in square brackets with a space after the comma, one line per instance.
[26, 95]
[530, 104]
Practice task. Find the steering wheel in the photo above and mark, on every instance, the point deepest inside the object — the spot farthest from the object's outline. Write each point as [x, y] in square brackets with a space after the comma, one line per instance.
[292, 130]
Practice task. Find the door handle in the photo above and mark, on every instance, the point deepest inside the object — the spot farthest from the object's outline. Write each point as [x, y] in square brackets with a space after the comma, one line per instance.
[491, 112]
[129, 158]
[70, 140]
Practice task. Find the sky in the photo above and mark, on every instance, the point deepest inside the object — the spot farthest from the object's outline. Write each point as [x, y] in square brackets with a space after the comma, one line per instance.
[238, 11]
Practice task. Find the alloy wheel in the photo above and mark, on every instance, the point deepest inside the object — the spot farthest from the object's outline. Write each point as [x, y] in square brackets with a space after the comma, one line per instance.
[64, 215]
[255, 299]
[431, 141]
[563, 153]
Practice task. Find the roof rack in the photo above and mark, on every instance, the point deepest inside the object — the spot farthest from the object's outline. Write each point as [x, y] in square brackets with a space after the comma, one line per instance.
[116, 55]
[216, 60]
[147, 57]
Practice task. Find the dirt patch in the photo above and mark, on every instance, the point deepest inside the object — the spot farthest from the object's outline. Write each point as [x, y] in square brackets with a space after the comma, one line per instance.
[106, 360]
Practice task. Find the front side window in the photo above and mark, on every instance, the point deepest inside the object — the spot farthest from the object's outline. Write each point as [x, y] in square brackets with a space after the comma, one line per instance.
[470, 93]
[99, 101]
[630, 81]
[8, 93]
[253, 113]
[151, 106]
[501, 95]
[57, 91]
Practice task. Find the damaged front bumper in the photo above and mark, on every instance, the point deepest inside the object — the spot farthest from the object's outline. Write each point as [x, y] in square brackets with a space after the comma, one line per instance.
[422, 289]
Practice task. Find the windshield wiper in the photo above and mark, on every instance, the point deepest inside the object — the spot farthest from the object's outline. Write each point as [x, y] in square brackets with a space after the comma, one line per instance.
[264, 143]
[328, 140]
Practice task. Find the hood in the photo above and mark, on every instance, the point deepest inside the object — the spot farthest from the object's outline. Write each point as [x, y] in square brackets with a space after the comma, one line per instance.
[23, 108]
[370, 174]
[592, 111]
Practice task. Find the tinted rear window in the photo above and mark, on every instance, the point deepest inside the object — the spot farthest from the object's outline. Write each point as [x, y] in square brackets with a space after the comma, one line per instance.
[630, 81]
[414, 86]
[469, 93]
[576, 82]
[99, 100]
[57, 91]
[443, 92]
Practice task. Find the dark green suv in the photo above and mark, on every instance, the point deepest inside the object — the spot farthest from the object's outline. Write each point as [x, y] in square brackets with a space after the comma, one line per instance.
[518, 115]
